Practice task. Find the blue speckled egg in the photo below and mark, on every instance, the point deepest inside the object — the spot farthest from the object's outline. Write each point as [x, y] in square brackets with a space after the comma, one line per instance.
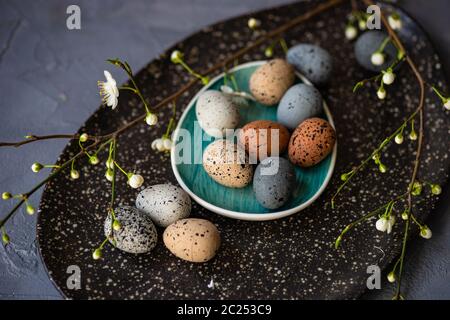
[367, 44]
[312, 61]
[300, 102]
[273, 182]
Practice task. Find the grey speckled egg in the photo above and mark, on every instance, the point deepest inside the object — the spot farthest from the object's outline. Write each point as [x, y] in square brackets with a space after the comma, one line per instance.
[137, 233]
[164, 203]
[227, 163]
[273, 182]
[312, 61]
[300, 102]
[367, 44]
[216, 112]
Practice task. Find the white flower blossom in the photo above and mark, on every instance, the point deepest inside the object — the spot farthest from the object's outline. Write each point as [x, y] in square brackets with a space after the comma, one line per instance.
[135, 180]
[395, 22]
[381, 93]
[381, 224]
[158, 145]
[151, 119]
[109, 91]
[388, 77]
[390, 224]
[109, 175]
[351, 32]
[398, 138]
[377, 58]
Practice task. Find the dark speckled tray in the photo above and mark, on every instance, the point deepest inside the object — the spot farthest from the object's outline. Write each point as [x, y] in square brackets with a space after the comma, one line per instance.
[284, 259]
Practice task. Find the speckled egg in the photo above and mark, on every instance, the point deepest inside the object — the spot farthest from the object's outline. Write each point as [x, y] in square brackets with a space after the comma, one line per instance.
[216, 112]
[367, 44]
[312, 61]
[227, 164]
[271, 80]
[299, 103]
[311, 142]
[137, 233]
[194, 240]
[164, 203]
[263, 138]
[273, 182]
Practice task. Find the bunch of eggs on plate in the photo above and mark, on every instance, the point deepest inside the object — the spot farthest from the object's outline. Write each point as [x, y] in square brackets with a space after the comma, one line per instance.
[167, 206]
[306, 138]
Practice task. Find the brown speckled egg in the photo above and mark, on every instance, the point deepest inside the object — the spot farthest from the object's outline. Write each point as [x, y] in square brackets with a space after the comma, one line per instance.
[227, 164]
[257, 137]
[271, 80]
[195, 240]
[311, 142]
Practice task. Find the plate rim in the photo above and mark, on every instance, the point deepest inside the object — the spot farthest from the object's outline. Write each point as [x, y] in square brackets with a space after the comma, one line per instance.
[249, 216]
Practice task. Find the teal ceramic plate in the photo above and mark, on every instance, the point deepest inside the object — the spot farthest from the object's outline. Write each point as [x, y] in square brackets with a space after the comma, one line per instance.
[241, 203]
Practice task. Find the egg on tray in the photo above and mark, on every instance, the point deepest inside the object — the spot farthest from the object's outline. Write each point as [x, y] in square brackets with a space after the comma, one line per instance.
[263, 138]
[216, 112]
[227, 164]
[271, 80]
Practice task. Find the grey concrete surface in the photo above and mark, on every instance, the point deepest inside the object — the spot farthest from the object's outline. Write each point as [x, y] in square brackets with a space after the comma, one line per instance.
[48, 85]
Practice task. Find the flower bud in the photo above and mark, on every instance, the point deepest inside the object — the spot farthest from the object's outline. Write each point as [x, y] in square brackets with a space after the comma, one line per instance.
[436, 189]
[382, 168]
[351, 32]
[94, 160]
[391, 277]
[388, 77]
[167, 143]
[399, 138]
[253, 23]
[413, 135]
[268, 52]
[447, 104]
[395, 22]
[382, 224]
[416, 188]
[362, 24]
[84, 137]
[377, 58]
[151, 119]
[116, 225]
[109, 163]
[36, 167]
[6, 195]
[97, 254]
[109, 175]
[74, 174]
[135, 180]
[381, 93]
[176, 57]
[5, 238]
[30, 209]
[344, 177]
[405, 215]
[425, 232]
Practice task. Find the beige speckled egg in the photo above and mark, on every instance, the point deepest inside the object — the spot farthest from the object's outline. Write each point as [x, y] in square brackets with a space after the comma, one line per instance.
[311, 142]
[227, 164]
[195, 240]
[263, 138]
[271, 80]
